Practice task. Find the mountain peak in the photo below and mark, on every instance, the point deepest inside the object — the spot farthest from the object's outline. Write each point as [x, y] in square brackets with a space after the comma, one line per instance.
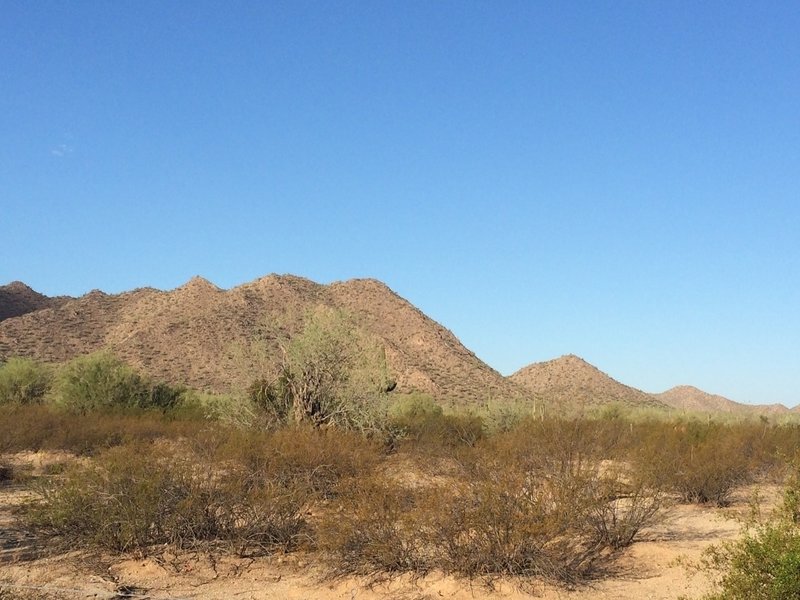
[574, 359]
[198, 284]
[18, 298]
[571, 381]
[18, 286]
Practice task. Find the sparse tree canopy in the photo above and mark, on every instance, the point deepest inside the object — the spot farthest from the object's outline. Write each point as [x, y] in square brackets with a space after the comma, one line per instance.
[328, 372]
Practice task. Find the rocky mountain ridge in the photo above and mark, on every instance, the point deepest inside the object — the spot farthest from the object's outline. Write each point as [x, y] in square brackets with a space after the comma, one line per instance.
[189, 335]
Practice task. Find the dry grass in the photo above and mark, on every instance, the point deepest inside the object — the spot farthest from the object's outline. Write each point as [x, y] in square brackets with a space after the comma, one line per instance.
[549, 499]
[134, 497]
[38, 427]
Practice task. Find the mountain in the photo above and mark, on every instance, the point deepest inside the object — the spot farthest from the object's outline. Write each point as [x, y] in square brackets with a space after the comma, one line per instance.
[686, 397]
[194, 334]
[18, 299]
[572, 383]
[191, 334]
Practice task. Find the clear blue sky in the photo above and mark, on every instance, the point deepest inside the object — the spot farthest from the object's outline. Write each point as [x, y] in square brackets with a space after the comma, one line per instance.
[619, 180]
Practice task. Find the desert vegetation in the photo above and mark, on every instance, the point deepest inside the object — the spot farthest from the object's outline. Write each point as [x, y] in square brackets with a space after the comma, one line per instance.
[319, 458]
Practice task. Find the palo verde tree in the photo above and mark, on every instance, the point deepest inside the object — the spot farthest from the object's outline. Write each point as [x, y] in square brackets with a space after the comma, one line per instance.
[24, 381]
[329, 372]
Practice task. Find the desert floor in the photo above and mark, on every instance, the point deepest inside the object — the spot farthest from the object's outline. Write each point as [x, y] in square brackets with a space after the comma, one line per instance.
[652, 568]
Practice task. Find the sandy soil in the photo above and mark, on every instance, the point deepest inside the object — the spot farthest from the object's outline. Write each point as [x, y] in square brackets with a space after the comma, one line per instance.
[651, 569]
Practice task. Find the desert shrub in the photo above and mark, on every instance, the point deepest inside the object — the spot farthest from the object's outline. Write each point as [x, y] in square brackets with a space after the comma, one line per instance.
[502, 519]
[415, 405]
[235, 410]
[701, 462]
[314, 459]
[101, 381]
[507, 526]
[771, 447]
[43, 427]
[520, 524]
[609, 501]
[555, 446]
[375, 527]
[163, 396]
[764, 564]
[132, 497]
[501, 418]
[458, 430]
[417, 417]
[619, 507]
[272, 398]
[24, 381]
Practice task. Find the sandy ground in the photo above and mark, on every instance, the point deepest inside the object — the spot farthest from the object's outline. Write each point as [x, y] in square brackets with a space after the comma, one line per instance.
[651, 569]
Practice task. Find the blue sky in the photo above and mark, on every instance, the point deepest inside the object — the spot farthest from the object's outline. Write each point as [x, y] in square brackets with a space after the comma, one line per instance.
[619, 180]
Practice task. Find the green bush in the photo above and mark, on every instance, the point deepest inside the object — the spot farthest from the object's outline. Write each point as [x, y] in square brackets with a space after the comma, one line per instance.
[330, 372]
[272, 398]
[24, 381]
[228, 409]
[414, 406]
[101, 381]
[163, 396]
[419, 419]
[764, 564]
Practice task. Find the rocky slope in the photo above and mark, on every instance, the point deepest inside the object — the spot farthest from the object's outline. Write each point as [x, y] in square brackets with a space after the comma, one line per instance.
[18, 299]
[571, 382]
[689, 398]
[191, 334]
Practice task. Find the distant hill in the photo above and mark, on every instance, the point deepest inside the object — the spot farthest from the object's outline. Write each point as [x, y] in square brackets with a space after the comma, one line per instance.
[688, 398]
[570, 382]
[186, 335]
[17, 299]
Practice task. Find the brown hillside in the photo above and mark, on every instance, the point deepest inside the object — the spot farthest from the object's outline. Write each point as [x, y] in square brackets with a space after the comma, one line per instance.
[188, 335]
[571, 383]
[688, 398]
[430, 358]
[17, 299]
